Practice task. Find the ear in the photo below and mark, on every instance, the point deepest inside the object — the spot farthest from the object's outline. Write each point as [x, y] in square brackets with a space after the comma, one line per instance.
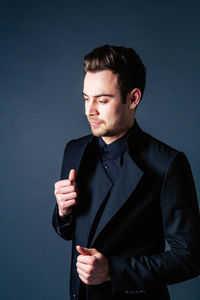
[134, 98]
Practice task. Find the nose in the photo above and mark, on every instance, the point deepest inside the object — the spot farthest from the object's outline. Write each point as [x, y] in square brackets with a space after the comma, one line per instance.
[91, 108]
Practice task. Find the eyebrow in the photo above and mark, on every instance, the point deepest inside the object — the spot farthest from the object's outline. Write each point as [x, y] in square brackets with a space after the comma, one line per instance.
[100, 95]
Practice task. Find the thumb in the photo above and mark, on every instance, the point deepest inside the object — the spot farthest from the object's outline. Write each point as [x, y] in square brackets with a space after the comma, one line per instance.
[72, 175]
[86, 251]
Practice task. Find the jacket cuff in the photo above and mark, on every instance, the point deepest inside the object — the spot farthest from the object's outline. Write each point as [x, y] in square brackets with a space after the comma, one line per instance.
[62, 222]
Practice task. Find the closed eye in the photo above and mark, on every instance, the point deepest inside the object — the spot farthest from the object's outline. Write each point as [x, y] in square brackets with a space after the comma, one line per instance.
[103, 101]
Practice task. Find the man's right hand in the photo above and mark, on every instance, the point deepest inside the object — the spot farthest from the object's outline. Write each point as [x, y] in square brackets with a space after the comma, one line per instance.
[66, 194]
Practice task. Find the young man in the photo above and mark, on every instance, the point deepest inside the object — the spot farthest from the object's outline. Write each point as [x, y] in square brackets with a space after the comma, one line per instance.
[126, 193]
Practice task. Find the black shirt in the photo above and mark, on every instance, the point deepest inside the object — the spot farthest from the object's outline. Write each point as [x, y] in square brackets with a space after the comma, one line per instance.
[111, 156]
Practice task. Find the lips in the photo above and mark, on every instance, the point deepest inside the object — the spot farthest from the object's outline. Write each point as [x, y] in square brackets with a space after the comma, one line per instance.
[92, 123]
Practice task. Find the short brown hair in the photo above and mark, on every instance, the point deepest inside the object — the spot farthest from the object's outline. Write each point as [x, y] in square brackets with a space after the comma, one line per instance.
[124, 62]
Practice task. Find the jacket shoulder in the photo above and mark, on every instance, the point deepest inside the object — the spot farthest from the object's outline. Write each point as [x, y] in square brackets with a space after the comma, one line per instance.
[157, 155]
[160, 150]
[75, 144]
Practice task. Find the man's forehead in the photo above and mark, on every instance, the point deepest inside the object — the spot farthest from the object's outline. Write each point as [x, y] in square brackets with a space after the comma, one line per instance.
[100, 82]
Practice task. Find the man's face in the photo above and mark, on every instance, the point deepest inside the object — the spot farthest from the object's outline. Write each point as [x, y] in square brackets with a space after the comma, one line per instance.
[109, 118]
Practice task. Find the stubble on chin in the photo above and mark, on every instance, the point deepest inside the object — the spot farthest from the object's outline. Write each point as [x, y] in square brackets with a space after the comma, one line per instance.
[96, 132]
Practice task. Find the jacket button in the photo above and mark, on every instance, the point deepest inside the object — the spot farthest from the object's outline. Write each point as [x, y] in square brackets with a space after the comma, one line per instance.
[75, 297]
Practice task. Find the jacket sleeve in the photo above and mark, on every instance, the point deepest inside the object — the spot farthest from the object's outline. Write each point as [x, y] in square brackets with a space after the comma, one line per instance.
[181, 226]
[63, 226]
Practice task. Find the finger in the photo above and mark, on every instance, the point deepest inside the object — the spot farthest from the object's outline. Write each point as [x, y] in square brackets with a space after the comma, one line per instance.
[83, 274]
[81, 250]
[62, 183]
[65, 212]
[83, 279]
[86, 259]
[66, 197]
[65, 190]
[88, 269]
[66, 207]
[72, 175]
[86, 251]
[67, 204]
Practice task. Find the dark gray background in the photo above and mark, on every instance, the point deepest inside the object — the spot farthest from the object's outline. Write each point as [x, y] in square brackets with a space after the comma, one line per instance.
[42, 49]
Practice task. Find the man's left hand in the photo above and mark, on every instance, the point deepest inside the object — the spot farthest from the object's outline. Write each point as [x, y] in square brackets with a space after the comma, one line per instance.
[92, 266]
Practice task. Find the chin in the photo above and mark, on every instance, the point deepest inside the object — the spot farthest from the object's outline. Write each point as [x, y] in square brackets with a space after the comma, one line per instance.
[98, 132]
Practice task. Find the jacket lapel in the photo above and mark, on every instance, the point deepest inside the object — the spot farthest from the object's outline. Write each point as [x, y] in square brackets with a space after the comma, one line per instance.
[125, 185]
[94, 186]
[99, 186]
[73, 157]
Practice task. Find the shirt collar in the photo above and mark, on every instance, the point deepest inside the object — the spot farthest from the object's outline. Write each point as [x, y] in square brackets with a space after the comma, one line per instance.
[116, 148]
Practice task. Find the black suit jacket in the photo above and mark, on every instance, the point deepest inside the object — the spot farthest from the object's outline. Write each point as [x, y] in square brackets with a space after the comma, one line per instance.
[153, 201]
